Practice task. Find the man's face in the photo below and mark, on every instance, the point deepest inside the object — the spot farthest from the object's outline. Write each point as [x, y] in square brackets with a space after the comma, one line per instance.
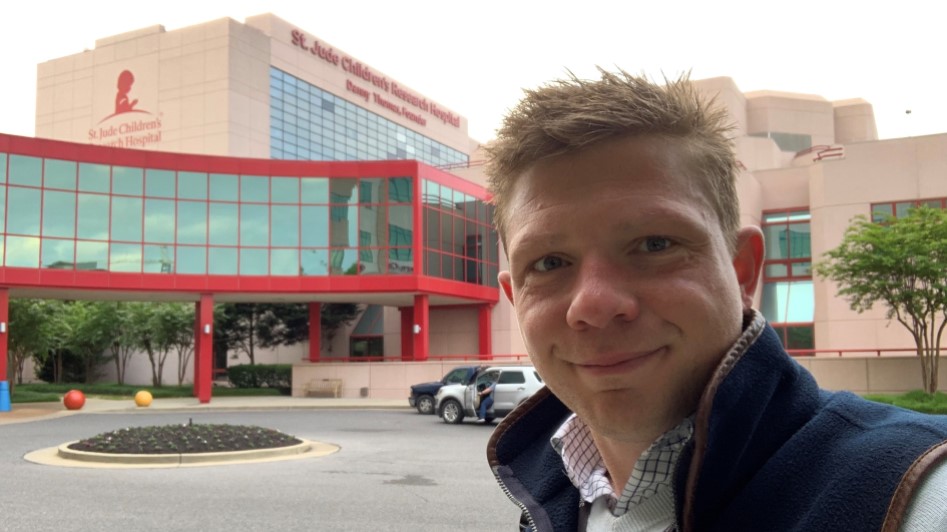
[624, 288]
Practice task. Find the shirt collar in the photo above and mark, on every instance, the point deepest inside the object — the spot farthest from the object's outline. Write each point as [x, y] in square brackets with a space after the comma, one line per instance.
[653, 472]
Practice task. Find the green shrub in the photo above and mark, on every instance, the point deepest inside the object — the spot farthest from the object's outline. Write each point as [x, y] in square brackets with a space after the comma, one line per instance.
[45, 392]
[277, 376]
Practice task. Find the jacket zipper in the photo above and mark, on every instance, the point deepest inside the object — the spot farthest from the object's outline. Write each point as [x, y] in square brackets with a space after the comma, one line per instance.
[521, 506]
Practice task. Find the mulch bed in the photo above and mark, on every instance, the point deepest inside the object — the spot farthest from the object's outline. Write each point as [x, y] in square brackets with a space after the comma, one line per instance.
[185, 438]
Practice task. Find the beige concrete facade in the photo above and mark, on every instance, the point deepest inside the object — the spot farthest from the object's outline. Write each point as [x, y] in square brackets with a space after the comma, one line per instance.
[205, 89]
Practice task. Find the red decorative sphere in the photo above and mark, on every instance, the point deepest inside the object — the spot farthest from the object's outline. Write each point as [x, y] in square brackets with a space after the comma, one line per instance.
[73, 400]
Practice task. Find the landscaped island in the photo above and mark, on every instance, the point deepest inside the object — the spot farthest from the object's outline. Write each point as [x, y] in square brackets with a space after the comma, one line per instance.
[186, 438]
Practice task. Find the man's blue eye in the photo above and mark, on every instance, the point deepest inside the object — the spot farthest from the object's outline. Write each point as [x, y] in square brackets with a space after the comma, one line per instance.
[549, 262]
[656, 243]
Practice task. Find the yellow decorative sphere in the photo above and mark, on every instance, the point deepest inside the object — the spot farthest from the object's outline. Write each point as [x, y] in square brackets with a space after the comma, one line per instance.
[143, 398]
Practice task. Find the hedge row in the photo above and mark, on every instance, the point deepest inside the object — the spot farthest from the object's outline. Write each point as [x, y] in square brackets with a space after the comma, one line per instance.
[278, 376]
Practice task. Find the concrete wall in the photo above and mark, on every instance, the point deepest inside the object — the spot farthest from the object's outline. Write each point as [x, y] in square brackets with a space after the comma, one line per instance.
[870, 172]
[887, 374]
[382, 380]
[206, 88]
[392, 380]
[778, 112]
[854, 121]
[200, 89]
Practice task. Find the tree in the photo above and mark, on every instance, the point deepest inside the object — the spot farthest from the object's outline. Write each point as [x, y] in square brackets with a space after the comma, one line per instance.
[33, 332]
[245, 326]
[282, 324]
[56, 363]
[334, 316]
[180, 319]
[236, 325]
[89, 333]
[901, 262]
[170, 322]
[156, 328]
[124, 336]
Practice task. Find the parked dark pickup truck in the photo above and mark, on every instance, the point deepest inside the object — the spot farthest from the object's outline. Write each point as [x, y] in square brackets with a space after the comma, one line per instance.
[422, 395]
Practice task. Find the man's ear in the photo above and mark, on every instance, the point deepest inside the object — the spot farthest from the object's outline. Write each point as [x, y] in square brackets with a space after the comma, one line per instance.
[506, 284]
[748, 262]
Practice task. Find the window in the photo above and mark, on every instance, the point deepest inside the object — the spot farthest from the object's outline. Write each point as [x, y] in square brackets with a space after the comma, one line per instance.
[898, 209]
[399, 190]
[59, 214]
[22, 215]
[457, 376]
[790, 142]
[94, 177]
[255, 189]
[192, 222]
[511, 377]
[285, 226]
[788, 299]
[366, 346]
[796, 337]
[284, 190]
[459, 239]
[192, 185]
[27, 171]
[399, 239]
[223, 187]
[127, 181]
[788, 245]
[60, 174]
[159, 183]
[222, 261]
[124, 210]
[488, 378]
[307, 122]
[364, 242]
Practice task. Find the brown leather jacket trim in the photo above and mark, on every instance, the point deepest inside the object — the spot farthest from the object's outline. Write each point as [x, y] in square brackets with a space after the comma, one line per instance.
[909, 483]
[753, 326]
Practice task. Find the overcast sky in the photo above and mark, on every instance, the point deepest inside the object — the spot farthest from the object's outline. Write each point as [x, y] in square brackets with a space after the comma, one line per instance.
[476, 59]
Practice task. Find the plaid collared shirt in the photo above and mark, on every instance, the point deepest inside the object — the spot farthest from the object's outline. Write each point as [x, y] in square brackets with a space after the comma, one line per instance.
[653, 472]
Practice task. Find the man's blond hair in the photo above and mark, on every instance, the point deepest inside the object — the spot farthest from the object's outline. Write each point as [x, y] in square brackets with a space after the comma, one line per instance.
[569, 115]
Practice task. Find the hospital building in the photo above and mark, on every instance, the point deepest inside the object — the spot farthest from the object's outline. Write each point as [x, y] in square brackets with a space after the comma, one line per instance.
[254, 162]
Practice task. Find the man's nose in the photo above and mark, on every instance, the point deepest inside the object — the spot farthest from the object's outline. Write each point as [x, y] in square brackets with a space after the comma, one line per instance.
[601, 294]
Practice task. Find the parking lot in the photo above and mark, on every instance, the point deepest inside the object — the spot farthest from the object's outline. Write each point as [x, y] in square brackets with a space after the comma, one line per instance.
[395, 470]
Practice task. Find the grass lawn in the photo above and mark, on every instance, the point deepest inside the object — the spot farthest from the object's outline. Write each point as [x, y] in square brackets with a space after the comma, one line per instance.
[50, 393]
[916, 400]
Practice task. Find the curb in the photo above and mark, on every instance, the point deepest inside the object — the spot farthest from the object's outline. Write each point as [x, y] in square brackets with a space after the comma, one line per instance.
[62, 456]
[26, 412]
[63, 451]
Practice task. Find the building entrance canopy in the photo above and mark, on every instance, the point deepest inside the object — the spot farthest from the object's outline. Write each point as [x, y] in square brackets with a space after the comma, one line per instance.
[93, 222]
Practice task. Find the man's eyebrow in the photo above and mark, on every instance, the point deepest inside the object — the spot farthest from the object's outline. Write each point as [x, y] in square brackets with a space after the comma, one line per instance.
[542, 239]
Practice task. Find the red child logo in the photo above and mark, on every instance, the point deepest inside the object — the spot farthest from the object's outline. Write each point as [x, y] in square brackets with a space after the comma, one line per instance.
[123, 102]
[125, 80]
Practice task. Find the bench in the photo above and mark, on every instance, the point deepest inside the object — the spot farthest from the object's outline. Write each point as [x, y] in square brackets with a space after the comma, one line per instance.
[324, 388]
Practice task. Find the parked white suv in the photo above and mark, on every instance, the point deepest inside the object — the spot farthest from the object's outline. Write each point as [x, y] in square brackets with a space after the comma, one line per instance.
[515, 384]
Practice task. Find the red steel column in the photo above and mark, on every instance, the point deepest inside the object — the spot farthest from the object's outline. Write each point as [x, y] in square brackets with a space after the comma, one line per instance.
[419, 329]
[486, 332]
[407, 337]
[315, 331]
[204, 353]
[4, 331]
[198, 340]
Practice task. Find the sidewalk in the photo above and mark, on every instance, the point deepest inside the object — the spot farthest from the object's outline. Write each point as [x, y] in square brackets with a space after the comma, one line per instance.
[22, 412]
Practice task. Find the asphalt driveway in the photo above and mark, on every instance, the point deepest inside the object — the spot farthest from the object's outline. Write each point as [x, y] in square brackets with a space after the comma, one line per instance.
[395, 470]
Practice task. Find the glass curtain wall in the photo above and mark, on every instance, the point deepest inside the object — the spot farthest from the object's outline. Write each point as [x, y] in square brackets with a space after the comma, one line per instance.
[460, 242]
[75, 215]
[308, 123]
